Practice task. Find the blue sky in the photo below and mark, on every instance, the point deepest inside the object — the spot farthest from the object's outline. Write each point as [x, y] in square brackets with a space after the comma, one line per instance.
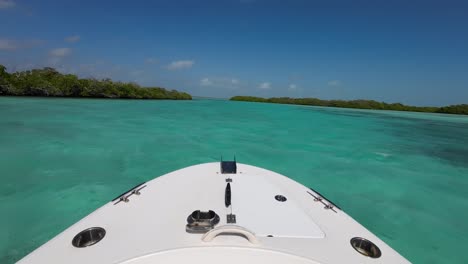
[414, 52]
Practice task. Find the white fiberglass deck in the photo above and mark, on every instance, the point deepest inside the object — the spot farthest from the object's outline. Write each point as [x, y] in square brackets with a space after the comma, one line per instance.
[150, 227]
[264, 214]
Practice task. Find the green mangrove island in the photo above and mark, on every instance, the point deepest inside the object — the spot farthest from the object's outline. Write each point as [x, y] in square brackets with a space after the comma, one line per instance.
[48, 82]
[461, 109]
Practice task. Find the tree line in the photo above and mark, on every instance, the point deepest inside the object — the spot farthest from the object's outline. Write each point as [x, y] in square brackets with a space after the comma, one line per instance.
[51, 83]
[461, 109]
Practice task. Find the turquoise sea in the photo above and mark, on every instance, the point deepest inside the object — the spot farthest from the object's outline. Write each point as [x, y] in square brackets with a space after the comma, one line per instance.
[402, 175]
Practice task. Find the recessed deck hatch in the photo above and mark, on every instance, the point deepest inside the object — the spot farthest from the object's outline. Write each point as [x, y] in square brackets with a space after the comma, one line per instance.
[257, 209]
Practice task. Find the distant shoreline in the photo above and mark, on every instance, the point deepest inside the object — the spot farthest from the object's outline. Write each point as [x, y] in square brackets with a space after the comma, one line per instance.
[90, 98]
[461, 109]
[48, 82]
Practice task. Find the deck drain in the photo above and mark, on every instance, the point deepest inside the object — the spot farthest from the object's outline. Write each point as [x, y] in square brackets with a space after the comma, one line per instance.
[280, 198]
[89, 237]
[365, 247]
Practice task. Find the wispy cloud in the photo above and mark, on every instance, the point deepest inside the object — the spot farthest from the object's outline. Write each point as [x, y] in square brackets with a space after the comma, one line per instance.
[73, 39]
[292, 87]
[221, 82]
[334, 83]
[264, 85]
[4, 4]
[206, 82]
[12, 44]
[60, 52]
[8, 44]
[56, 56]
[136, 73]
[151, 61]
[179, 65]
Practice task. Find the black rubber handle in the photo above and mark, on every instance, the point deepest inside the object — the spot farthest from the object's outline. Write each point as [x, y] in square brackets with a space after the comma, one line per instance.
[227, 195]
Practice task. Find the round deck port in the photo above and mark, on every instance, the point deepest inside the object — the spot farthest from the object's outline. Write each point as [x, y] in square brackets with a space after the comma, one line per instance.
[280, 198]
[365, 247]
[89, 237]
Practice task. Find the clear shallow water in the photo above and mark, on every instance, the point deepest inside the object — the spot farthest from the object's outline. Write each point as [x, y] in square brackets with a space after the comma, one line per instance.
[402, 175]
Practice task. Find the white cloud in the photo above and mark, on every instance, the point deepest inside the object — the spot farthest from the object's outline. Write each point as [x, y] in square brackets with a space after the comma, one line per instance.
[136, 73]
[4, 4]
[221, 82]
[151, 61]
[7, 44]
[206, 82]
[292, 87]
[73, 39]
[56, 56]
[182, 64]
[54, 61]
[265, 85]
[12, 44]
[334, 83]
[60, 52]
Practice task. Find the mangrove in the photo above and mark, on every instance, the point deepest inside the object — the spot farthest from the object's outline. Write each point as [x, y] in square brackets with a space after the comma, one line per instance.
[461, 109]
[48, 82]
